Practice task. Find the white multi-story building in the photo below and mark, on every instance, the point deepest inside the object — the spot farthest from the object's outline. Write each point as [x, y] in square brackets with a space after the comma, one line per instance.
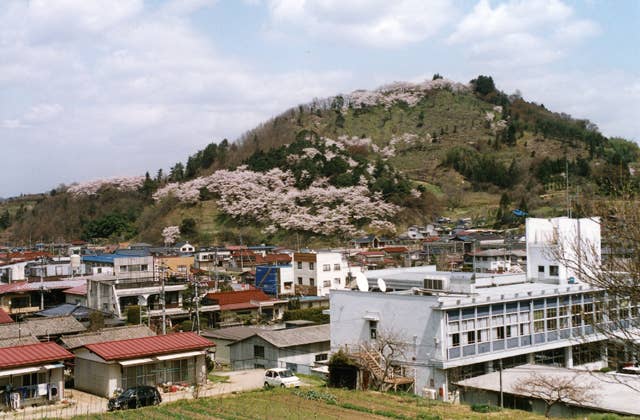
[458, 325]
[319, 272]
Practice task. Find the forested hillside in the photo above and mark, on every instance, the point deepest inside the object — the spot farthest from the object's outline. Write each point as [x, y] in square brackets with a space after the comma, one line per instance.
[369, 161]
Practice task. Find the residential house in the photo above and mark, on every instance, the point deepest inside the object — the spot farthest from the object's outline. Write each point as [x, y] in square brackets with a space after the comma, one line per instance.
[244, 306]
[13, 264]
[299, 349]
[114, 294]
[175, 265]
[370, 241]
[224, 337]
[459, 325]
[209, 259]
[275, 280]
[184, 248]
[76, 295]
[101, 368]
[126, 263]
[317, 273]
[32, 374]
[55, 267]
[23, 298]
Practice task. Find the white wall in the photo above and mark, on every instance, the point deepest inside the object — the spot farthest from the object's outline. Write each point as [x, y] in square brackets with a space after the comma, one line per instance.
[410, 317]
[543, 236]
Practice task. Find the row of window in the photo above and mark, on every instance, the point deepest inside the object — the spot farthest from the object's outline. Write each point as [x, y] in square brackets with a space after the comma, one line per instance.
[325, 267]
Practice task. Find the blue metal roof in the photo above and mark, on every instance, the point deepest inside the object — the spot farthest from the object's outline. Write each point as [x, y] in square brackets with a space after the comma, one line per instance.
[105, 258]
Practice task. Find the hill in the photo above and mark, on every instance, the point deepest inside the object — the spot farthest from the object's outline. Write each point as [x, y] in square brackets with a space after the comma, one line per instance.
[370, 161]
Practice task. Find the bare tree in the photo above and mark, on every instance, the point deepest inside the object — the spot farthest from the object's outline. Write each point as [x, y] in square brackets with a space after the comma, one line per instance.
[554, 389]
[616, 274]
[383, 357]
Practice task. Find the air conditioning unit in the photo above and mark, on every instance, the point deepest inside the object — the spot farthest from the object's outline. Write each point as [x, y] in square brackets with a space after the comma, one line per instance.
[430, 393]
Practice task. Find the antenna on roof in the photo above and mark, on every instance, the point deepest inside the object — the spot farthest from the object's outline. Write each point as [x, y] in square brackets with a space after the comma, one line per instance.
[382, 285]
[362, 282]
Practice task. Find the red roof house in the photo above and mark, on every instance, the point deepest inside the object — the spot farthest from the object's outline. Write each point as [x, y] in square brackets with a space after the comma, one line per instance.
[32, 354]
[26, 359]
[149, 346]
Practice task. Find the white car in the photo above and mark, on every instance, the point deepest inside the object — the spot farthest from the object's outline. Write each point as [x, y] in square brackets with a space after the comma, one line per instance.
[281, 377]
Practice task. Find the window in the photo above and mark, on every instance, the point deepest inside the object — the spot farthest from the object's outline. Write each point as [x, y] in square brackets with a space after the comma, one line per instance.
[326, 267]
[258, 352]
[299, 265]
[300, 280]
[336, 267]
[321, 357]
[373, 329]
[326, 283]
[287, 285]
[123, 268]
[312, 282]
[455, 340]
[336, 281]
[471, 337]
[433, 284]
[312, 266]
[541, 269]
[498, 333]
[144, 267]
[553, 270]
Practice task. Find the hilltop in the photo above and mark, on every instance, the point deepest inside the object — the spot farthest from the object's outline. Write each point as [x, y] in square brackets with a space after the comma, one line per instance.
[368, 161]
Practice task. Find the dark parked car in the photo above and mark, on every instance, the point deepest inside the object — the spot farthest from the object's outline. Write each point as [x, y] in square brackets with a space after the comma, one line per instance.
[134, 397]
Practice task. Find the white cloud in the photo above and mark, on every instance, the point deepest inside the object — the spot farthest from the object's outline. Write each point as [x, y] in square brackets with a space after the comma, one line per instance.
[135, 88]
[520, 33]
[375, 23]
[609, 99]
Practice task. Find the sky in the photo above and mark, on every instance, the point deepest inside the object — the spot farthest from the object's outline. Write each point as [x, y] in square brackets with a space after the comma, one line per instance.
[94, 89]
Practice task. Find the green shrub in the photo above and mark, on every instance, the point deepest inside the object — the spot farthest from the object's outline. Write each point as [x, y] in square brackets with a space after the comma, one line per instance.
[484, 408]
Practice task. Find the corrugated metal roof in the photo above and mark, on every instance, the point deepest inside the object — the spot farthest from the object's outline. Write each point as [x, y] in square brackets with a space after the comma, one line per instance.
[32, 354]
[149, 346]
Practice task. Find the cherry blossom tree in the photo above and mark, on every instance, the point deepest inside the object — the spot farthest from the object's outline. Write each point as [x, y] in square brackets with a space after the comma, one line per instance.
[170, 234]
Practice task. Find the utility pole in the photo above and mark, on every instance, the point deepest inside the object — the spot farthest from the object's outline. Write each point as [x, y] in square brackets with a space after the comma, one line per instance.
[501, 393]
[41, 283]
[164, 306]
[197, 297]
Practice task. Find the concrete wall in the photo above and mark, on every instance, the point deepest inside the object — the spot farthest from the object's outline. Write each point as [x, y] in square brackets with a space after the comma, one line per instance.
[95, 377]
[410, 317]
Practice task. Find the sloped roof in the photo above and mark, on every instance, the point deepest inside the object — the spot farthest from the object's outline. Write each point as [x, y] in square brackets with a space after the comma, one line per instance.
[41, 327]
[297, 336]
[106, 334]
[277, 258]
[242, 296]
[78, 290]
[78, 311]
[24, 286]
[32, 354]
[149, 346]
[231, 333]
[18, 341]
[4, 317]
[14, 329]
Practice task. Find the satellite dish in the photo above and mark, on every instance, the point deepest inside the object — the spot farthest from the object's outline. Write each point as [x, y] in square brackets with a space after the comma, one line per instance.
[382, 285]
[362, 282]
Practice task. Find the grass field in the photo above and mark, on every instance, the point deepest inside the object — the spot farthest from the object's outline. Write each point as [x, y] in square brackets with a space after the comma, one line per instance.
[313, 403]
